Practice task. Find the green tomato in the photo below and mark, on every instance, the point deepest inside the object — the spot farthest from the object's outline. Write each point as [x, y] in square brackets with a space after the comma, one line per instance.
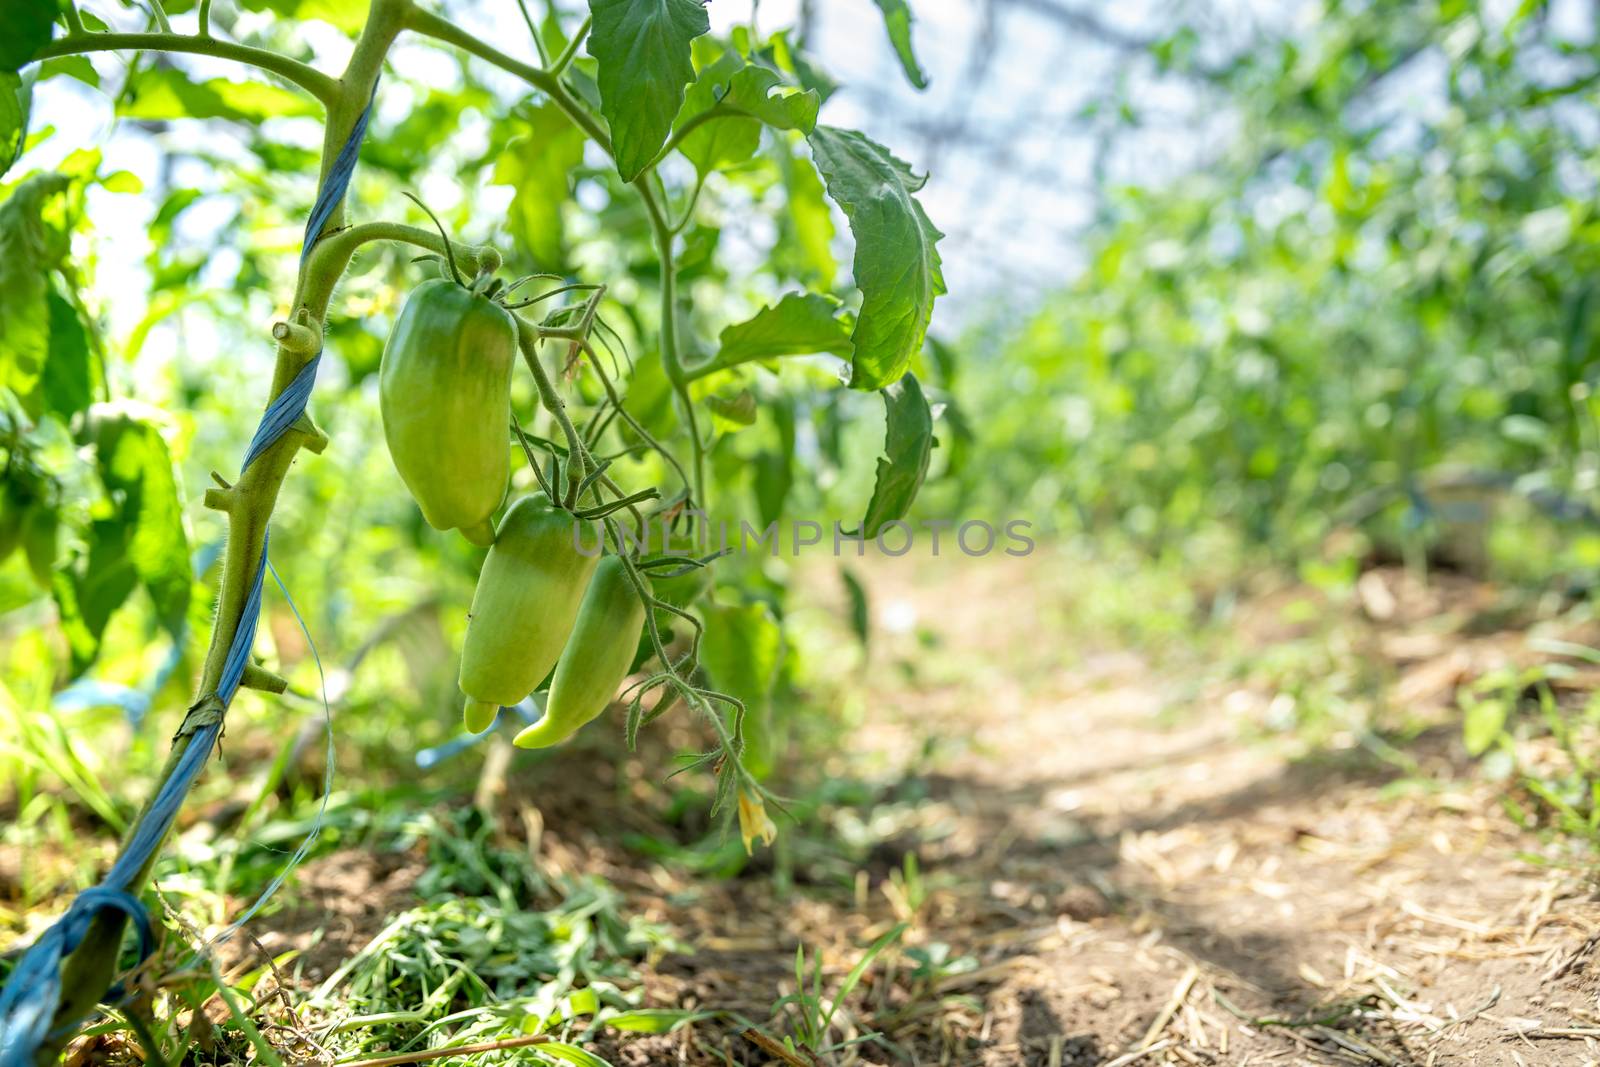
[596, 659]
[445, 390]
[527, 600]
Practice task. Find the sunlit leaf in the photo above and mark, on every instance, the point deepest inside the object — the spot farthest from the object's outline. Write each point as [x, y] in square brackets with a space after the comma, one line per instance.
[799, 324]
[348, 15]
[16, 99]
[136, 469]
[559, 1050]
[169, 93]
[750, 95]
[29, 249]
[897, 264]
[907, 447]
[643, 48]
[897, 20]
[539, 166]
[654, 1020]
[28, 27]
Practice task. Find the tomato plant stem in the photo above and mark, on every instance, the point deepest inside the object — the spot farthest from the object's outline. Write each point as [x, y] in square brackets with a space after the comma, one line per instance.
[248, 504]
[310, 79]
[579, 462]
[571, 50]
[670, 360]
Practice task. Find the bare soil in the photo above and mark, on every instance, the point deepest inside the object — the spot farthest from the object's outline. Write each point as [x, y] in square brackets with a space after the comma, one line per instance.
[1135, 867]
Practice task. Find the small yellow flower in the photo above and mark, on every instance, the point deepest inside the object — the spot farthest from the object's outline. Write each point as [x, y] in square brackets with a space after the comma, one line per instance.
[754, 823]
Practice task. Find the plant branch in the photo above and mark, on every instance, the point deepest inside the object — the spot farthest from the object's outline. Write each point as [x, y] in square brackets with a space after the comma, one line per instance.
[248, 504]
[627, 417]
[538, 41]
[160, 14]
[720, 110]
[431, 25]
[310, 79]
[579, 462]
[548, 82]
[669, 329]
[571, 50]
[332, 255]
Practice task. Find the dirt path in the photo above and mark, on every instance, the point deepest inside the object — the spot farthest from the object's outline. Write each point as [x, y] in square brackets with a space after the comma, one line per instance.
[1132, 881]
[1115, 863]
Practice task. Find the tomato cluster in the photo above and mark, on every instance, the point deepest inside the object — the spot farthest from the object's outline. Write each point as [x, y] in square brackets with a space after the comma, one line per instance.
[545, 599]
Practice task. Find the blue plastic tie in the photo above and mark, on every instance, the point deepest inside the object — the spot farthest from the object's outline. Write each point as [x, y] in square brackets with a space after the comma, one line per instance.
[31, 997]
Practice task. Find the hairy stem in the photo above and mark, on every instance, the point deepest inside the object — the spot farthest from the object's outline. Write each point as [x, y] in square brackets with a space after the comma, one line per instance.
[89, 971]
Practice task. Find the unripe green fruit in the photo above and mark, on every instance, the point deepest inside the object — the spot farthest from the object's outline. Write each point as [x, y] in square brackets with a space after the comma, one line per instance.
[527, 599]
[596, 659]
[445, 390]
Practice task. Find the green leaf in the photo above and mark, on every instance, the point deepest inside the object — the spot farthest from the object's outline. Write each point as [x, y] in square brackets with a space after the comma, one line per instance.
[780, 53]
[649, 398]
[40, 543]
[897, 264]
[347, 15]
[169, 93]
[655, 1020]
[643, 48]
[67, 382]
[136, 469]
[800, 324]
[716, 143]
[566, 1053]
[78, 67]
[29, 250]
[539, 166]
[751, 95]
[860, 615]
[1483, 724]
[759, 91]
[897, 20]
[774, 468]
[907, 447]
[16, 100]
[740, 652]
[736, 412]
[88, 594]
[808, 224]
[29, 25]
